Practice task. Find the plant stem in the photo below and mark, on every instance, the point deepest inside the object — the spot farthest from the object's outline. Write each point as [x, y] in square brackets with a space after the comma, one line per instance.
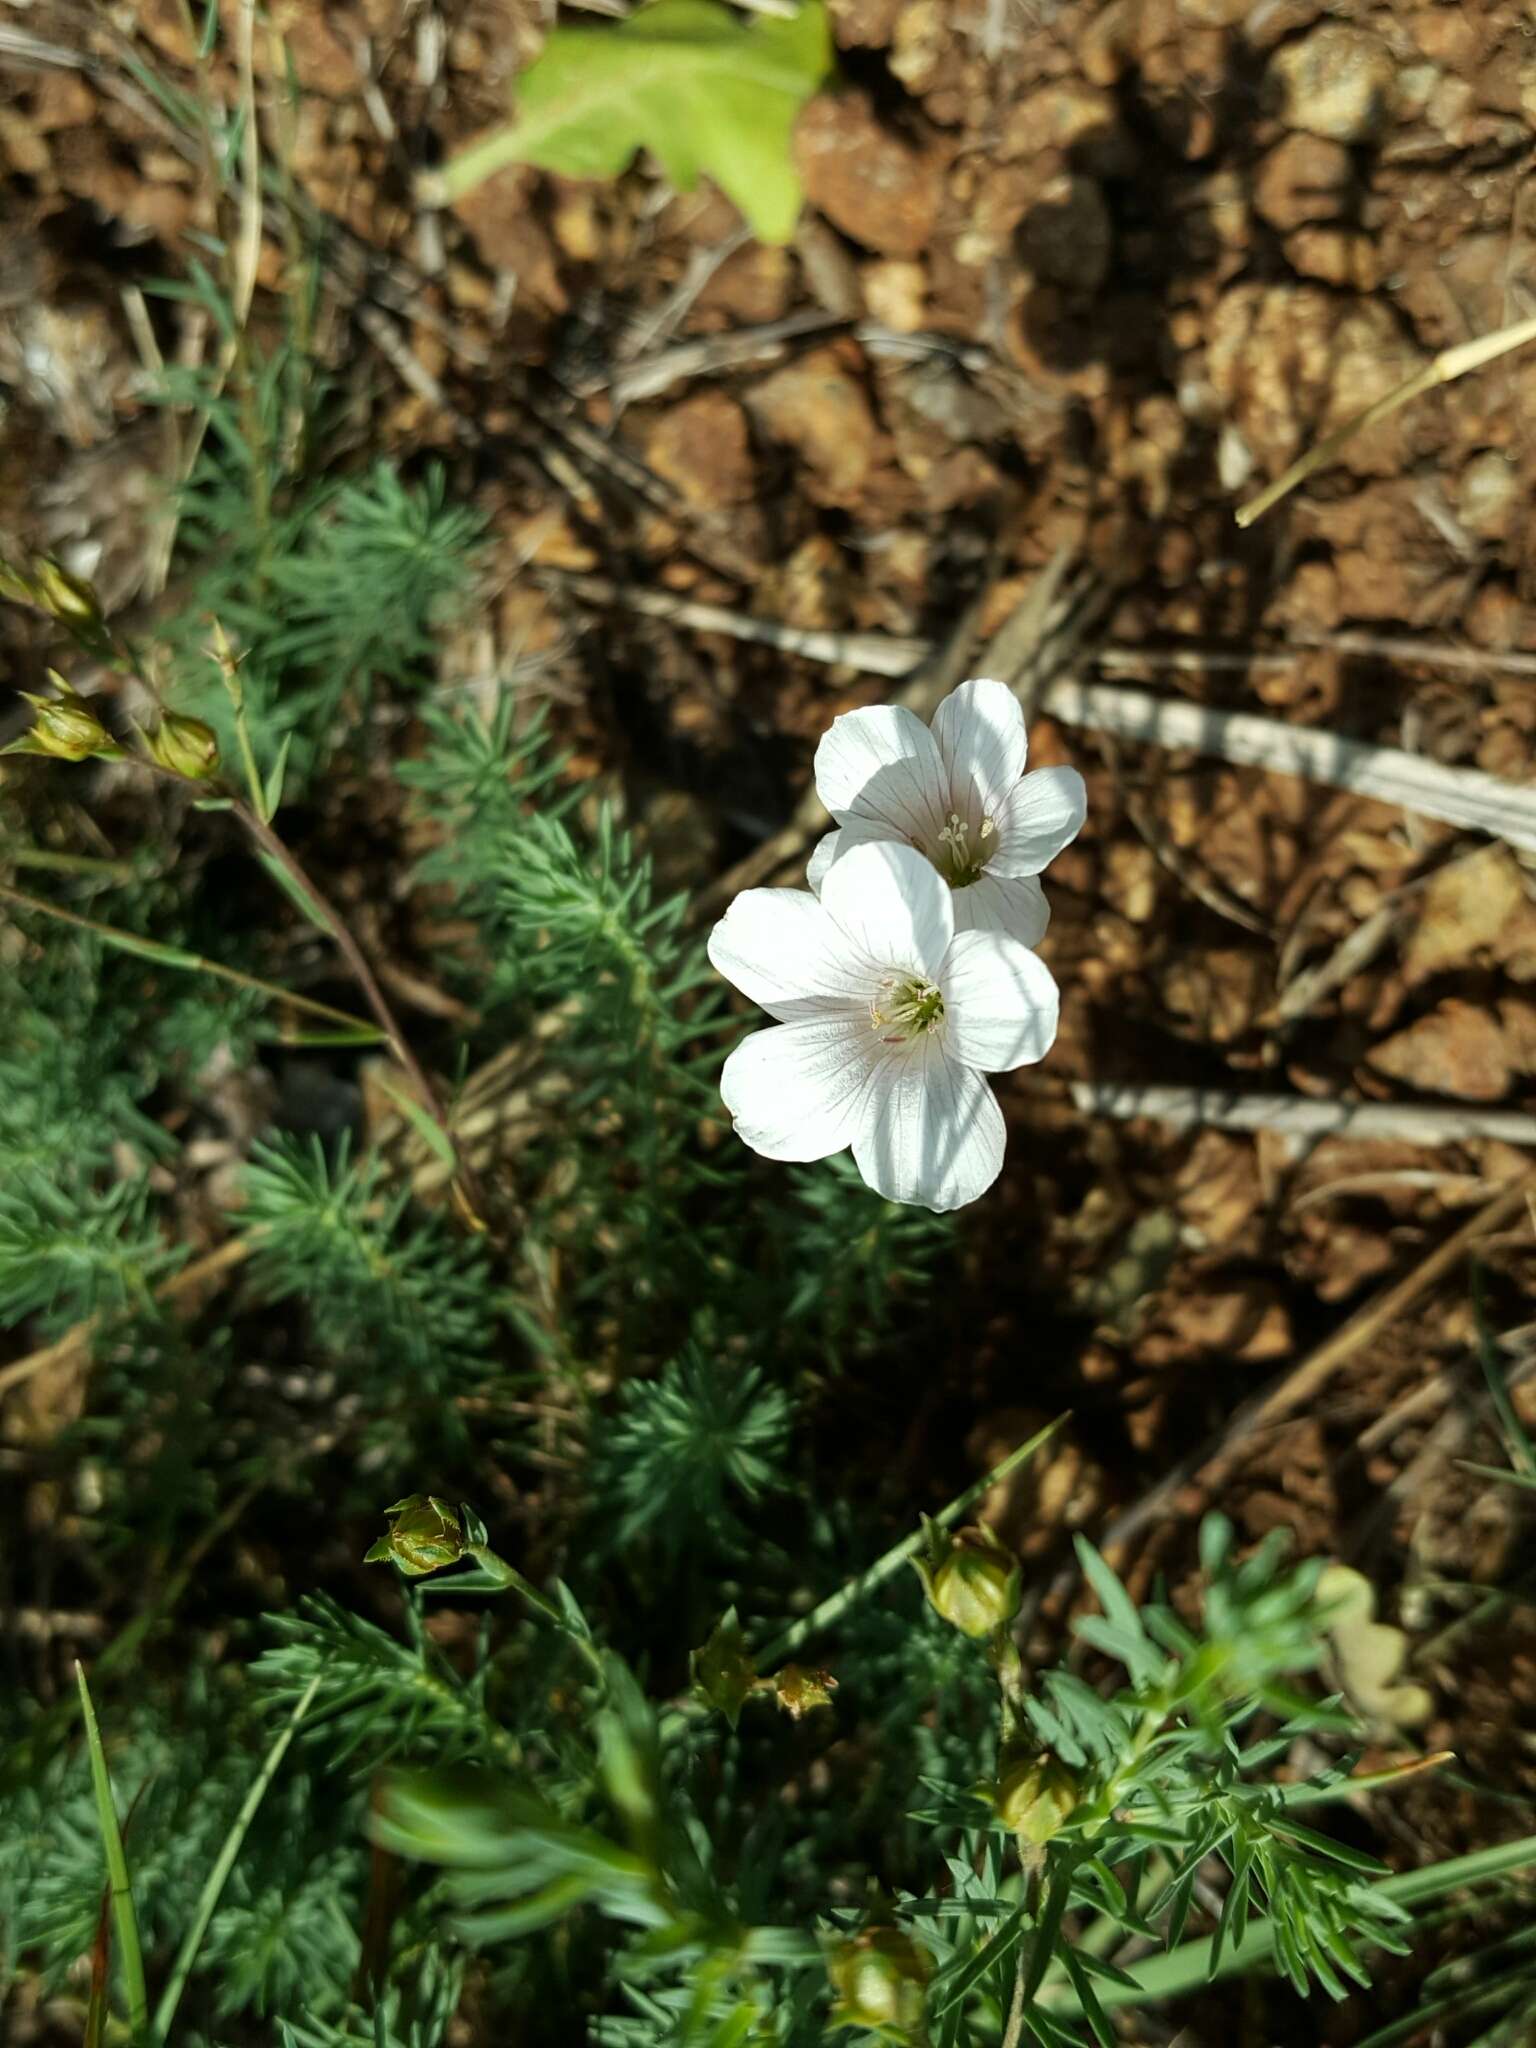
[336, 928]
[176, 956]
[791, 1639]
[123, 1914]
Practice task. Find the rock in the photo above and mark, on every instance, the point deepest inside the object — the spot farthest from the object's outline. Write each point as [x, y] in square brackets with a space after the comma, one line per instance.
[815, 407]
[1459, 1049]
[1338, 256]
[701, 446]
[896, 293]
[1471, 907]
[867, 181]
[1291, 362]
[1079, 120]
[507, 237]
[1338, 81]
[1487, 492]
[1304, 178]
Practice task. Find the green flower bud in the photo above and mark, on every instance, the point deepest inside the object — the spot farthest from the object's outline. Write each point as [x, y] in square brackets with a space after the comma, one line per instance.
[424, 1534]
[723, 1673]
[184, 745]
[1036, 1797]
[798, 1690]
[977, 1584]
[68, 597]
[65, 727]
[880, 1978]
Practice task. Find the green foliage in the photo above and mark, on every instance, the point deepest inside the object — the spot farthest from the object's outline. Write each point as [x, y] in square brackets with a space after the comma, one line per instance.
[682, 1447]
[395, 1295]
[688, 80]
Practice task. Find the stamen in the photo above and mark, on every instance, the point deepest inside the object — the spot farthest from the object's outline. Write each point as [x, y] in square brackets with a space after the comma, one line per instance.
[900, 1009]
[953, 856]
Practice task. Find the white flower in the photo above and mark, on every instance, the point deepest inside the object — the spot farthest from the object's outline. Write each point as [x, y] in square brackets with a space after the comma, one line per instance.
[888, 1018]
[959, 794]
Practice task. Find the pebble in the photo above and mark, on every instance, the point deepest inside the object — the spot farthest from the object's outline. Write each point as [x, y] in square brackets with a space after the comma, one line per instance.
[867, 181]
[1337, 82]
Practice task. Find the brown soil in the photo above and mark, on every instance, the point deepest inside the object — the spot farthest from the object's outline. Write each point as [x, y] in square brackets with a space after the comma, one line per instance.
[1089, 275]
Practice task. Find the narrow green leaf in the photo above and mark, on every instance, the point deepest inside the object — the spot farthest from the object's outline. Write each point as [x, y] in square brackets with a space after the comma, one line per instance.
[299, 897]
[123, 1914]
[272, 794]
[425, 1125]
[224, 1863]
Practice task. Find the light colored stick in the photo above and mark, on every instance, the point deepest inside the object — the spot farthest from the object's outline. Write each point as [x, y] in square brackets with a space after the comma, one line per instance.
[1457, 796]
[1302, 1117]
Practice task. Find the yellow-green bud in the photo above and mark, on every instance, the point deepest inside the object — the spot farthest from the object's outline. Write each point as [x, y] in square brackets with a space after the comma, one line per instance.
[424, 1534]
[1036, 1797]
[65, 727]
[880, 1978]
[184, 745]
[68, 597]
[798, 1690]
[723, 1672]
[977, 1585]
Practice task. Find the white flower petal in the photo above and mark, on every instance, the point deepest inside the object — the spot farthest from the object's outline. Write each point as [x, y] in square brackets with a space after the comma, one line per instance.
[893, 905]
[823, 853]
[883, 765]
[995, 903]
[1001, 1003]
[1044, 814]
[980, 733]
[780, 947]
[930, 1130]
[796, 1091]
[833, 846]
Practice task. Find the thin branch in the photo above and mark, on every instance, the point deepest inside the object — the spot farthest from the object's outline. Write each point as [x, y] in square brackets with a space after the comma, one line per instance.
[1466, 797]
[1302, 1117]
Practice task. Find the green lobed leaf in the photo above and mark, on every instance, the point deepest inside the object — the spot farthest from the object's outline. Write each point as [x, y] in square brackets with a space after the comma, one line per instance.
[688, 80]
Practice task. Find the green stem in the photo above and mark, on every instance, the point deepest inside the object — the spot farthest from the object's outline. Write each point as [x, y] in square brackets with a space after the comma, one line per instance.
[191, 963]
[224, 1863]
[123, 1914]
[793, 1638]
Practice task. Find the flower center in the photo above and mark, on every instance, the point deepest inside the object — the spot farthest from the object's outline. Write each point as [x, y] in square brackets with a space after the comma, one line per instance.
[904, 1006]
[956, 858]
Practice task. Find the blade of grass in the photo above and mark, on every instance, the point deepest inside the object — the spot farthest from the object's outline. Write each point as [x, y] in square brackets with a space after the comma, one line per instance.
[124, 1917]
[1445, 368]
[224, 1863]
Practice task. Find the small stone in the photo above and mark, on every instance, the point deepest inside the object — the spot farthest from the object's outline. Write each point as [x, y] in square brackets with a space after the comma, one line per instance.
[1338, 256]
[815, 407]
[1487, 492]
[867, 181]
[1303, 178]
[701, 446]
[1082, 121]
[1467, 909]
[1338, 82]
[896, 293]
[1459, 1049]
